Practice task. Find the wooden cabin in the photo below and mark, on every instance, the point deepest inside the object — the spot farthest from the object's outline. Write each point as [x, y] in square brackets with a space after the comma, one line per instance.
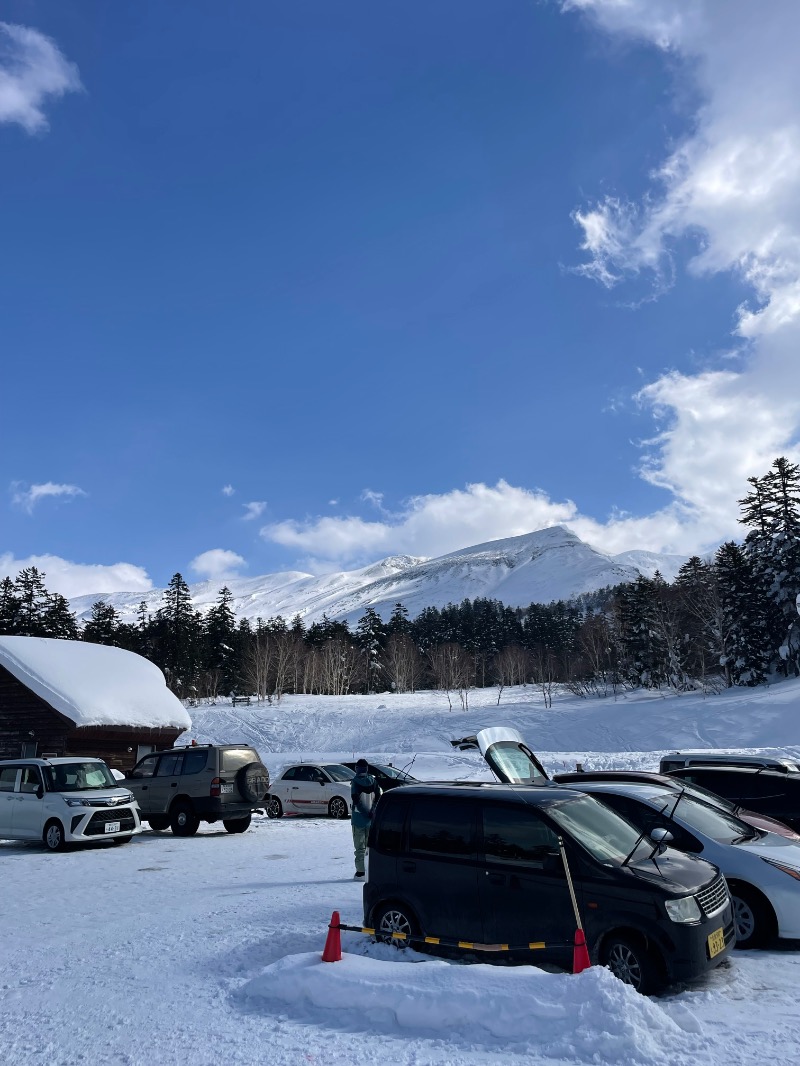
[69, 697]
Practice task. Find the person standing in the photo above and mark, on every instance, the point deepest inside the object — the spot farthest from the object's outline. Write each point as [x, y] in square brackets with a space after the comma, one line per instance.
[364, 793]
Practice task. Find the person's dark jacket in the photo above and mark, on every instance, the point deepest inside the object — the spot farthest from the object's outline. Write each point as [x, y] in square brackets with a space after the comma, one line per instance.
[364, 792]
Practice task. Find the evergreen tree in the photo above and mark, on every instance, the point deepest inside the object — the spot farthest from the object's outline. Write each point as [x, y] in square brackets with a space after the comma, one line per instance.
[178, 638]
[58, 620]
[745, 627]
[220, 644]
[371, 638]
[34, 602]
[9, 608]
[398, 621]
[103, 625]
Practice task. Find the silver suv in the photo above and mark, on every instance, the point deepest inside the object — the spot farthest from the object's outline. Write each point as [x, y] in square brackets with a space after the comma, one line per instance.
[183, 787]
[68, 800]
[678, 759]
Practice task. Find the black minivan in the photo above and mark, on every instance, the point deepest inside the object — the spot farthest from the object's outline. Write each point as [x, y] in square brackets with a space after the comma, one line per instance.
[481, 863]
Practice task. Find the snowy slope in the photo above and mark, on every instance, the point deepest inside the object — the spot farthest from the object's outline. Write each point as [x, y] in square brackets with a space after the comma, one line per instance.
[550, 564]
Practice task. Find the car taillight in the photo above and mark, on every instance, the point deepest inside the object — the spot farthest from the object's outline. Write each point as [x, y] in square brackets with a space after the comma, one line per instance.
[216, 787]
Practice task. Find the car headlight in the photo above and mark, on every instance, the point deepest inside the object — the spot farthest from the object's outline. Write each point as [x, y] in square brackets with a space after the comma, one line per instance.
[792, 871]
[77, 803]
[683, 910]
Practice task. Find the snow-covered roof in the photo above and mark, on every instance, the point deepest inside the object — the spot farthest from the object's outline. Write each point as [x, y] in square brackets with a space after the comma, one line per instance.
[94, 684]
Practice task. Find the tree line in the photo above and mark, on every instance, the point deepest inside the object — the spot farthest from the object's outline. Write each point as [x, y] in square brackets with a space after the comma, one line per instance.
[727, 620]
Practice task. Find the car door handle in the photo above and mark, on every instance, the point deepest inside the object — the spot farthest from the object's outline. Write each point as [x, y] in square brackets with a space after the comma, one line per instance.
[295, 788]
[174, 784]
[144, 788]
[496, 879]
[409, 867]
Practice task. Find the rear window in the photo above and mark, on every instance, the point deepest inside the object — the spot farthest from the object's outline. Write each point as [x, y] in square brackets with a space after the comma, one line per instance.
[389, 828]
[339, 772]
[442, 827]
[234, 759]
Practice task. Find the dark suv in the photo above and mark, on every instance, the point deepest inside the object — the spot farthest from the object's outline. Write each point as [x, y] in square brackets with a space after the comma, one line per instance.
[481, 864]
[183, 787]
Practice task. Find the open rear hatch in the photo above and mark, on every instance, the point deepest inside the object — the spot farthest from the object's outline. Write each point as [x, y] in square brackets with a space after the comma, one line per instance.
[510, 757]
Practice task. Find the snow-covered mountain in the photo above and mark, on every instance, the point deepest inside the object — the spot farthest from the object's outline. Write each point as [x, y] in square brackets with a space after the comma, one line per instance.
[550, 564]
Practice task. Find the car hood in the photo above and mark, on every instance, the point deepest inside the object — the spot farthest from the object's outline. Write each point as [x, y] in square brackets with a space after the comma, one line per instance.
[99, 797]
[674, 871]
[509, 757]
[771, 825]
[772, 846]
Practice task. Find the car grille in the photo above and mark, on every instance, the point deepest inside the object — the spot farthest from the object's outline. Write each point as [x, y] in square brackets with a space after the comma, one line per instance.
[714, 898]
[97, 823]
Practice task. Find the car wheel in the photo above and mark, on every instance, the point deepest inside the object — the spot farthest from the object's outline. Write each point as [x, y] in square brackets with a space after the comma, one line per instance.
[273, 807]
[183, 821]
[53, 836]
[393, 918]
[630, 961]
[237, 825]
[158, 822]
[753, 920]
[253, 782]
[337, 808]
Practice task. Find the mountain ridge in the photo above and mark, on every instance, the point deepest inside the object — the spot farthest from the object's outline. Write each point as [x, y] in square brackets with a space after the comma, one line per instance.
[538, 567]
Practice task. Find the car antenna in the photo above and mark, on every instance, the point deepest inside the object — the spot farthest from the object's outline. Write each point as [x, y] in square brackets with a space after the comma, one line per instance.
[408, 766]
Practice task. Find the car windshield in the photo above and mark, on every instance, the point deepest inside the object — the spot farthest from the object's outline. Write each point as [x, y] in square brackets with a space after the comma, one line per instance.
[707, 796]
[339, 772]
[705, 819]
[606, 835]
[391, 771]
[77, 777]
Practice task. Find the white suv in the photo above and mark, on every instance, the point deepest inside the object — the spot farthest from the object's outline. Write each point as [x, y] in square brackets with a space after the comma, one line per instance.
[71, 800]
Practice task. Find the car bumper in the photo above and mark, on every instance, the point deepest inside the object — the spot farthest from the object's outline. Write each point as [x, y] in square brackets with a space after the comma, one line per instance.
[211, 808]
[785, 900]
[690, 955]
[82, 825]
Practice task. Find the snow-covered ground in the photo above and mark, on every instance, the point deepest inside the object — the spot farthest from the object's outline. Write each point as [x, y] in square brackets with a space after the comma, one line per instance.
[206, 950]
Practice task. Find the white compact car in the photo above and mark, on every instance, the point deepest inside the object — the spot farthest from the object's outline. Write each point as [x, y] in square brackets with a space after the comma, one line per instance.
[70, 800]
[309, 788]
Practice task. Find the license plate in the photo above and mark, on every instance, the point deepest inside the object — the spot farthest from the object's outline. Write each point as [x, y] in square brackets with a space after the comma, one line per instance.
[716, 943]
[224, 789]
[112, 827]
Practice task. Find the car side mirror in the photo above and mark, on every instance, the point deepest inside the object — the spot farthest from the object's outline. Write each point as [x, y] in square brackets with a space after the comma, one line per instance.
[322, 782]
[661, 837]
[552, 863]
[39, 792]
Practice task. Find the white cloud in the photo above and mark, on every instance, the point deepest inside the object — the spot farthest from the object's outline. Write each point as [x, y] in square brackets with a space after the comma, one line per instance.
[79, 579]
[32, 69]
[217, 564]
[228, 490]
[27, 498]
[732, 185]
[253, 510]
[433, 525]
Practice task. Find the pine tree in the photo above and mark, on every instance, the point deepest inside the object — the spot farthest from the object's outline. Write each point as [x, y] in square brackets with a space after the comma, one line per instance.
[58, 620]
[178, 637]
[103, 625]
[221, 647]
[34, 602]
[746, 643]
[398, 621]
[9, 608]
[371, 638]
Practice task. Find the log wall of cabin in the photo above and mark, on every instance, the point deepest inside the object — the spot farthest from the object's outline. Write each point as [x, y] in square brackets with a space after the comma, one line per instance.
[27, 718]
[118, 745]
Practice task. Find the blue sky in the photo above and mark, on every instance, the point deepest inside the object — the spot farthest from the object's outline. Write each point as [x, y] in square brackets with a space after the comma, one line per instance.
[298, 286]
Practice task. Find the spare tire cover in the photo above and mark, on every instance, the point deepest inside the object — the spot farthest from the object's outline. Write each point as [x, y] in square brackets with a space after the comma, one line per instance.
[253, 782]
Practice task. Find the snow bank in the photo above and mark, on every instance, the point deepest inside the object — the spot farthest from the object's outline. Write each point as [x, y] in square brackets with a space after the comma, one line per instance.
[93, 684]
[588, 1018]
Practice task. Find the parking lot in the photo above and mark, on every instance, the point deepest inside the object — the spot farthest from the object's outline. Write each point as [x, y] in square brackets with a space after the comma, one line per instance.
[153, 952]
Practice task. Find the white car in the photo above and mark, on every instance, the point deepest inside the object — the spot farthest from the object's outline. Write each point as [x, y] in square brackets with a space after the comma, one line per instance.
[762, 868]
[69, 800]
[311, 788]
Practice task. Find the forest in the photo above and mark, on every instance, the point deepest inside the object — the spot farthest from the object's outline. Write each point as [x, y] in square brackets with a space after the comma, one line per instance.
[727, 619]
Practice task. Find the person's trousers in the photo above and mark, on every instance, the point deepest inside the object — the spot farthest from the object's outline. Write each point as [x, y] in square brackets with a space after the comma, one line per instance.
[360, 845]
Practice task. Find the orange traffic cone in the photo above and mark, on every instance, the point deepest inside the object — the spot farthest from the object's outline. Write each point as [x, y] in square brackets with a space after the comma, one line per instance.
[333, 945]
[580, 953]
